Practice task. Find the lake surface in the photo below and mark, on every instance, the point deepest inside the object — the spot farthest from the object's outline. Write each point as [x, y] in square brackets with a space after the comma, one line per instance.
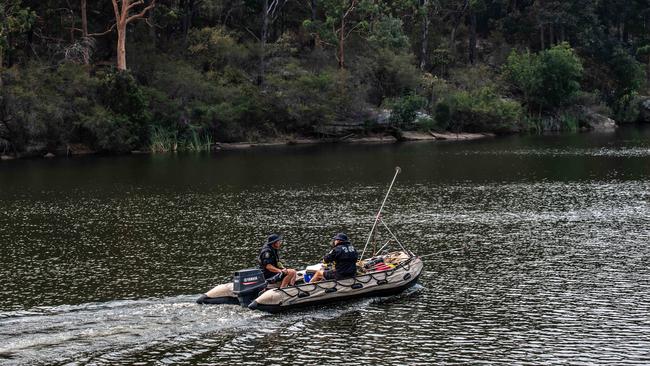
[101, 258]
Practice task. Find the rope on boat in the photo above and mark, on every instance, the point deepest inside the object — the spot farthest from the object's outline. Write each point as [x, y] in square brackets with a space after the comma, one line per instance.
[397, 171]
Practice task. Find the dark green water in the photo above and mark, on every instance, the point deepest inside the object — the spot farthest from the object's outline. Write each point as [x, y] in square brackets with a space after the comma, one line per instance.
[102, 258]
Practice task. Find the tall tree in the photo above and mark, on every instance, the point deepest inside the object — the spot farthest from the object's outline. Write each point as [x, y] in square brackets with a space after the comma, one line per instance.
[84, 18]
[426, 20]
[457, 15]
[342, 19]
[14, 19]
[270, 11]
[123, 16]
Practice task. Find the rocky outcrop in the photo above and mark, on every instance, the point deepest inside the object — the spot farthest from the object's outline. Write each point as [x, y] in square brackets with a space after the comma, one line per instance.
[592, 120]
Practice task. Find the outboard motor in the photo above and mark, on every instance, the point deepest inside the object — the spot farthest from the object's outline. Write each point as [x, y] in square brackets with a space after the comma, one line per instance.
[247, 285]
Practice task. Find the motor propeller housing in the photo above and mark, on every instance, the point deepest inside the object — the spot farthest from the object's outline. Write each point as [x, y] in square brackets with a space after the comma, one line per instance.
[247, 284]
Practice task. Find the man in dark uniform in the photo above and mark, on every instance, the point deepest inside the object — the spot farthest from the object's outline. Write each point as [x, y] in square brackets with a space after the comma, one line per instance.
[344, 258]
[271, 265]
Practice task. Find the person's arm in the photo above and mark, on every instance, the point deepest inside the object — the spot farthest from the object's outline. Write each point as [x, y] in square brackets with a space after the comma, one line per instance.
[275, 269]
[330, 257]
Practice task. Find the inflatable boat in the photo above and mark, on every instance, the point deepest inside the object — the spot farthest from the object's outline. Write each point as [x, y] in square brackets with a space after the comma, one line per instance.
[381, 275]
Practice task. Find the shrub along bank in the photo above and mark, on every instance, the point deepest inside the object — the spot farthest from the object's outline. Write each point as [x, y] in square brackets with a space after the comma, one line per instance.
[253, 71]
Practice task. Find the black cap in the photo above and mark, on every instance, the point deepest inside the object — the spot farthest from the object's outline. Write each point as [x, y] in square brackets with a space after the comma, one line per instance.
[342, 237]
[273, 238]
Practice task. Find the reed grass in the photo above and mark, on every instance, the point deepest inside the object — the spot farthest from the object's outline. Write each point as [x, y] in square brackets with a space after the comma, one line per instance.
[163, 140]
[197, 142]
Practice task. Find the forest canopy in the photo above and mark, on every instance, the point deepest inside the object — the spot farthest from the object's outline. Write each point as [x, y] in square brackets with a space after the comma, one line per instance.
[119, 75]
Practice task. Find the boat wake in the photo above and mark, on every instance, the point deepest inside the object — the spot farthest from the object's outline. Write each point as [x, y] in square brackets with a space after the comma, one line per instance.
[170, 329]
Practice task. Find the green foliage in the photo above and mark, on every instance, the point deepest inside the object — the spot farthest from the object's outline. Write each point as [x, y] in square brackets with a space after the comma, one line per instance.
[426, 123]
[548, 79]
[163, 140]
[343, 18]
[523, 70]
[194, 76]
[45, 108]
[561, 71]
[14, 19]
[214, 48]
[569, 122]
[304, 99]
[404, 109]
[443, 115]
[387, 32]
[628, 75]
[481, 110]
[627, 109]
[198, 141]
[389, 74]
[122, 95]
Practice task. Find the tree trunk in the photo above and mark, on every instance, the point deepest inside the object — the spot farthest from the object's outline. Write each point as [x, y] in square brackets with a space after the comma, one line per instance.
[121, 46]
[84, 19]
[1, 66]
[263, 38]
[425, 35]
[452, 42]
[452, 36]
[188, 14]
[541, 36]
[551, 35]
[123, 17]
[472, 36]
[620, 31]
[342, 45]
[562, 36]
[152, 30]
[312, 42]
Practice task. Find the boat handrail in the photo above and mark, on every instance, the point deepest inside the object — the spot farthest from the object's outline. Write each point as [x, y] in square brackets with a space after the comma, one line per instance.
[336, 282]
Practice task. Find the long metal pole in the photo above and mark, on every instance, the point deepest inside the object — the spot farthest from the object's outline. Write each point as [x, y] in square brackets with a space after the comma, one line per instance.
[397, 171]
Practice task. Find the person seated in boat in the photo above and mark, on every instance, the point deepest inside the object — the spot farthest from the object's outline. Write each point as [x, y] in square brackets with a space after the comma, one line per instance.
[270, 264]
[343, 257]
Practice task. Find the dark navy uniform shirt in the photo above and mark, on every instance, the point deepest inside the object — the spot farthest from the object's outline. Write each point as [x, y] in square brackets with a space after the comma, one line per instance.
[345, 258]
[269, 255]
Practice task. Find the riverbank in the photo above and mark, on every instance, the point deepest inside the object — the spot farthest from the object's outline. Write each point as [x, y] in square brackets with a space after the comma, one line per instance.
[359, 139]
[406, 136]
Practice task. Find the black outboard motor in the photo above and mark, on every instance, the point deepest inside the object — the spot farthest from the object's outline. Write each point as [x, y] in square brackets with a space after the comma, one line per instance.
[247, 285]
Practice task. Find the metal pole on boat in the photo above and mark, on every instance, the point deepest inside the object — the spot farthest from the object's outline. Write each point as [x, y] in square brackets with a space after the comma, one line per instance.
[397, 171]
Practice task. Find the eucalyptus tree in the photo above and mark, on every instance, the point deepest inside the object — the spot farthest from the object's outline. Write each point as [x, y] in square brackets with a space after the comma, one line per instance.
[270, 11]
[343, 18]
[14, 20]
[124, 14]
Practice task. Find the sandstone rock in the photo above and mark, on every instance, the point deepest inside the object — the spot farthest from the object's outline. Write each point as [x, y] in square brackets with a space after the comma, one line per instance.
[596, 121]
[79, 149]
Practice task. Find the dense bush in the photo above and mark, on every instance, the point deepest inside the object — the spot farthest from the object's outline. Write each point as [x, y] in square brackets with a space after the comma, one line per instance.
[482, 110]
[127, 128]
[45, 108]
[548, 79]
[304, 99]
[404, 110]
[240, 70]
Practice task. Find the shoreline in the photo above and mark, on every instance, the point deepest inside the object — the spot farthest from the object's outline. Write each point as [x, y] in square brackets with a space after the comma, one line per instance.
[407, 136]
